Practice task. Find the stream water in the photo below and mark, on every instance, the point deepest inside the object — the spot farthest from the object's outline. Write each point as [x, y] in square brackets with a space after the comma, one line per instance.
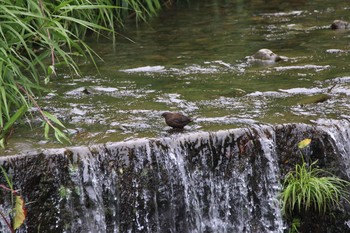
[133, 174]
[191, 59]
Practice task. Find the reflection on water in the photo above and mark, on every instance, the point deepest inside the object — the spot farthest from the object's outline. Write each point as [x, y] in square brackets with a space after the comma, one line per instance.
[191, 59]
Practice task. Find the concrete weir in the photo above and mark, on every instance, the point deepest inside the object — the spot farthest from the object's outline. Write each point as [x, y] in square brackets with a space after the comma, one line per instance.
[225, 181]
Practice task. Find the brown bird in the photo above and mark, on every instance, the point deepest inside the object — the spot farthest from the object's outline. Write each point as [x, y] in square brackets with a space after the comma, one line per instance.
[176, 120]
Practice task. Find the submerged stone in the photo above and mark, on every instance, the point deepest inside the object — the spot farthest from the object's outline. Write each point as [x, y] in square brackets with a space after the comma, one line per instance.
[314, 99]
[340, 24]
[265, 55]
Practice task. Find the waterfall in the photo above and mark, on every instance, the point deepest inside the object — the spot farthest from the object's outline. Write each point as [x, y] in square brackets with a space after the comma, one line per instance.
[225, 181]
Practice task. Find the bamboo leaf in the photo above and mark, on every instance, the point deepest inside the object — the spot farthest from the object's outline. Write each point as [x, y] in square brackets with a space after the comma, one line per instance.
[7, 178]
[60, 135]
[20, 112]
[46, 130]
[53, 118]
[4, 101]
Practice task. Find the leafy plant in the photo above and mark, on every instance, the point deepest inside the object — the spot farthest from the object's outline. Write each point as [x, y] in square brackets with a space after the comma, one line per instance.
[307, 188]
[19, 212]
[38, 37]
[295, 226]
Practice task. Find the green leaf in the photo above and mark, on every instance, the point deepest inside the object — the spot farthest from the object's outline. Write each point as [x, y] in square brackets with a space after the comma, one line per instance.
[7, 178]
[53, 118]
[46, 131]
[60, 135]
[4, 101]
[20, 112]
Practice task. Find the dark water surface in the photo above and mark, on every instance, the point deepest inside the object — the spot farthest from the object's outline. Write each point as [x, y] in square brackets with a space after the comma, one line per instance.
[191, 59]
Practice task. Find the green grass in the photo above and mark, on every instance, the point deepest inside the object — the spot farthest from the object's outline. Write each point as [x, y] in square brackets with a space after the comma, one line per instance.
[308, 188]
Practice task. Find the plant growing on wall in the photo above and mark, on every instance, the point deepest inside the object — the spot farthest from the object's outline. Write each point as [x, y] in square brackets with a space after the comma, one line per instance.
[308, 188]
[18, 214]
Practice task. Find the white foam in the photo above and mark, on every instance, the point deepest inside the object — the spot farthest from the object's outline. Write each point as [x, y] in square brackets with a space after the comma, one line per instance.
[145, 69]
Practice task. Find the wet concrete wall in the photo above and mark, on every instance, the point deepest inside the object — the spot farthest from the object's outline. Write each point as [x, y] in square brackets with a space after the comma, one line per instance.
[226, 181]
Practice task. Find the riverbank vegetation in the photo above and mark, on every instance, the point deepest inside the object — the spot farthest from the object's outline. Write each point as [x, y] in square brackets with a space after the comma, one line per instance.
[309, 191]
[39, 37]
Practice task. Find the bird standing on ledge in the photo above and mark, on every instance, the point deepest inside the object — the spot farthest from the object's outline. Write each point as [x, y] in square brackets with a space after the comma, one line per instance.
[176, 120]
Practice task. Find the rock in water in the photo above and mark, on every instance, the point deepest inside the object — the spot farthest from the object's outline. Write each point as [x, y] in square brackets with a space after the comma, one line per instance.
[340, 24]
[176, 120]
[265, 55]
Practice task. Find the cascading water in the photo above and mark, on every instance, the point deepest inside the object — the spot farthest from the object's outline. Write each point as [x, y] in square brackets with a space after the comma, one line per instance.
[340, 135]
[226, 181]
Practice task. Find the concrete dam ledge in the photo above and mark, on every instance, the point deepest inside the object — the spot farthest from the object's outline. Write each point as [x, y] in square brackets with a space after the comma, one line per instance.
[298, 129]
[224, 181]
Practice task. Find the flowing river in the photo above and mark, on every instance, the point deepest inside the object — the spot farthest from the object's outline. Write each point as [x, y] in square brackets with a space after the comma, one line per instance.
[192, 59]
[126, 171]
